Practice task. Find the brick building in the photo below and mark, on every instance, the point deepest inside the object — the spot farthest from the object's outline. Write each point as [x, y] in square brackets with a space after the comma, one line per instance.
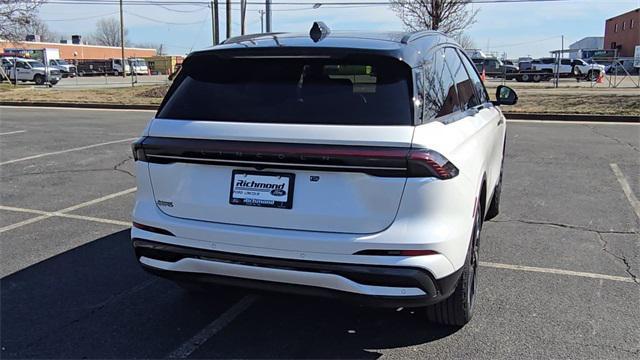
[623, 33]
[81, 51]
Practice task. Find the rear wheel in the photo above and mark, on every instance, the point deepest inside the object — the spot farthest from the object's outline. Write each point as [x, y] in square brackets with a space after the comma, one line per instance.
[457, 309]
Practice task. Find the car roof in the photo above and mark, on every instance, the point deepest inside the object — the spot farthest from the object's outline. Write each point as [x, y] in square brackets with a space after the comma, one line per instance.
[409, 47]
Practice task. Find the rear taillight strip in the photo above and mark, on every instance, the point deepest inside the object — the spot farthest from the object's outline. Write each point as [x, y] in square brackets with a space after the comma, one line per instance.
[373, 160]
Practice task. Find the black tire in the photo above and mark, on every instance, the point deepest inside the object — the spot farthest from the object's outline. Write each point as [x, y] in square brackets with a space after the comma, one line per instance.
[457, 309]
[38, 79]
[537, 78]
[525, 77]
[53, 82]
[593, 75]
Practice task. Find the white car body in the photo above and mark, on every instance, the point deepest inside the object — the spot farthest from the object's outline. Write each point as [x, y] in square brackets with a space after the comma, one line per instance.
[343, 216]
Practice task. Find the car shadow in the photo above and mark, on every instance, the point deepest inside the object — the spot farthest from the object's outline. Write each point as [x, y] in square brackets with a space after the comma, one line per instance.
[94, 301]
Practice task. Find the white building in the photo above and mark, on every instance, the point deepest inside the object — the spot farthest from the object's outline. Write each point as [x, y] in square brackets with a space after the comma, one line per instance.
[588, 43]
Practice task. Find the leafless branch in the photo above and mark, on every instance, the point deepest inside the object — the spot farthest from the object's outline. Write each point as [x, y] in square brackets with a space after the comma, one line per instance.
[448, 16]
[15, 16]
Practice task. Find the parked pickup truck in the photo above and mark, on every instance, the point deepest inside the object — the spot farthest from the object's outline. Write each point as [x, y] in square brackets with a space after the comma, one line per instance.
[66, 69]
[494, 67]
[24, 70]
[568, 68]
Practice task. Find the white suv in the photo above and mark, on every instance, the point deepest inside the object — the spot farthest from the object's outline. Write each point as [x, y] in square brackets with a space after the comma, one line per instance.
[350, 165]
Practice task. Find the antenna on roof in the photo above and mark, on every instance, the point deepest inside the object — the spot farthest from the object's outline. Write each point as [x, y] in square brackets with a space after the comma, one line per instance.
[319, 31]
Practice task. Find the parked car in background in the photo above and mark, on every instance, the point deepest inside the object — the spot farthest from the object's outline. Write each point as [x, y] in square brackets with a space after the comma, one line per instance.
[89, 67]
[66, 69]
[139, 66]
[19, 69]
[496, 68]
[350, 166]
[568, 68]
[622, 67]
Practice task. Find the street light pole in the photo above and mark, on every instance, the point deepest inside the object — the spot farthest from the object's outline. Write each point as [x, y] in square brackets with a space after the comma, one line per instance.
[267, 9]
[228, 2]
[243, 15]
[261, 12]
[124, 68]
[215, 25]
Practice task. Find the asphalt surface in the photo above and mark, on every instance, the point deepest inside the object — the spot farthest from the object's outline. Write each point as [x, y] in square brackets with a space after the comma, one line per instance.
[71, 287]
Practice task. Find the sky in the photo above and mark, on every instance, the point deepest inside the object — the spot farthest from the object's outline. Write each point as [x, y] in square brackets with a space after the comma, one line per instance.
[517, 29]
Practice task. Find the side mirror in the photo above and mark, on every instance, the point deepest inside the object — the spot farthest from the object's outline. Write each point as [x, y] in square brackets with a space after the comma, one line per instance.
[505, 96]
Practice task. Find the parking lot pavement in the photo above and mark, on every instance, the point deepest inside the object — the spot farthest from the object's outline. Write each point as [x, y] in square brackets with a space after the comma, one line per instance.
[558, 277]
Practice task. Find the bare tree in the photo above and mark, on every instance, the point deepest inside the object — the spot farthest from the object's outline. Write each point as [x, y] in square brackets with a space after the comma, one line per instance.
[14, 16]
[448, 16]
[465, 41]
[38, 27]
[108, 33]
[151, 45]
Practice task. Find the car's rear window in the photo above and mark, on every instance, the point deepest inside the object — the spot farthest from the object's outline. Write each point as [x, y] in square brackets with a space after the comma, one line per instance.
[372, 91]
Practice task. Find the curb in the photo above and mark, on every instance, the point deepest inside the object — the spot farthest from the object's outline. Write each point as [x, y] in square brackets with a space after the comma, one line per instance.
[572, 117]
[508, 115]
[79, 105]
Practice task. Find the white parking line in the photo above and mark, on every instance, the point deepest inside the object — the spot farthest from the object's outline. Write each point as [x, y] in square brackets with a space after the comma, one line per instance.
[46, 214]
[98, 200]
[13, 132]
[557, 122]
[65, 151]
[626, 188]
[555, 271]
[191, 345]
[63, 213]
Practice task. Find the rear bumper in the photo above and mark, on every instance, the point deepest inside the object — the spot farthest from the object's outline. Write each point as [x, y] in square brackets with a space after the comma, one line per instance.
[374, 285]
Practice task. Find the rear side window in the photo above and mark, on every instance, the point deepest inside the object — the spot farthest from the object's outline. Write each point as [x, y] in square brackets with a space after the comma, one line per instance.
[441, 97]
[466, 93]
[481, 92]
[368, 91]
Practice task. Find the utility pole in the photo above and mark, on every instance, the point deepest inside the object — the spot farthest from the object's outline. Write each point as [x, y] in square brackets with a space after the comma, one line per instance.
[215, 25]
[124, 68]
[267, 9]
[243, 15]
[228, 3]
[261, 12]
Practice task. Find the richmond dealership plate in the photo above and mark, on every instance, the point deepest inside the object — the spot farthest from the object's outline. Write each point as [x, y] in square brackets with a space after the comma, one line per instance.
[265, 189]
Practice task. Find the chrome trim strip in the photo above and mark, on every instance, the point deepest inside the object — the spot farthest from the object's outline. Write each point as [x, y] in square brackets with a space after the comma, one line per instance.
[275, 163]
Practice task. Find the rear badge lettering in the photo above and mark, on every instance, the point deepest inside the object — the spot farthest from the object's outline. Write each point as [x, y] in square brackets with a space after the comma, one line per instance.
[164, 203]
[314, 178]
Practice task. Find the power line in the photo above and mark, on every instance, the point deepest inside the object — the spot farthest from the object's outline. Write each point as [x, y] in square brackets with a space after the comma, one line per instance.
[297, 3]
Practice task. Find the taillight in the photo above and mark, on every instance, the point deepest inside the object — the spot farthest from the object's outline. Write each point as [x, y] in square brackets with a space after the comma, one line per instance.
[138, 151]
[426, 163]
[372, 160]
